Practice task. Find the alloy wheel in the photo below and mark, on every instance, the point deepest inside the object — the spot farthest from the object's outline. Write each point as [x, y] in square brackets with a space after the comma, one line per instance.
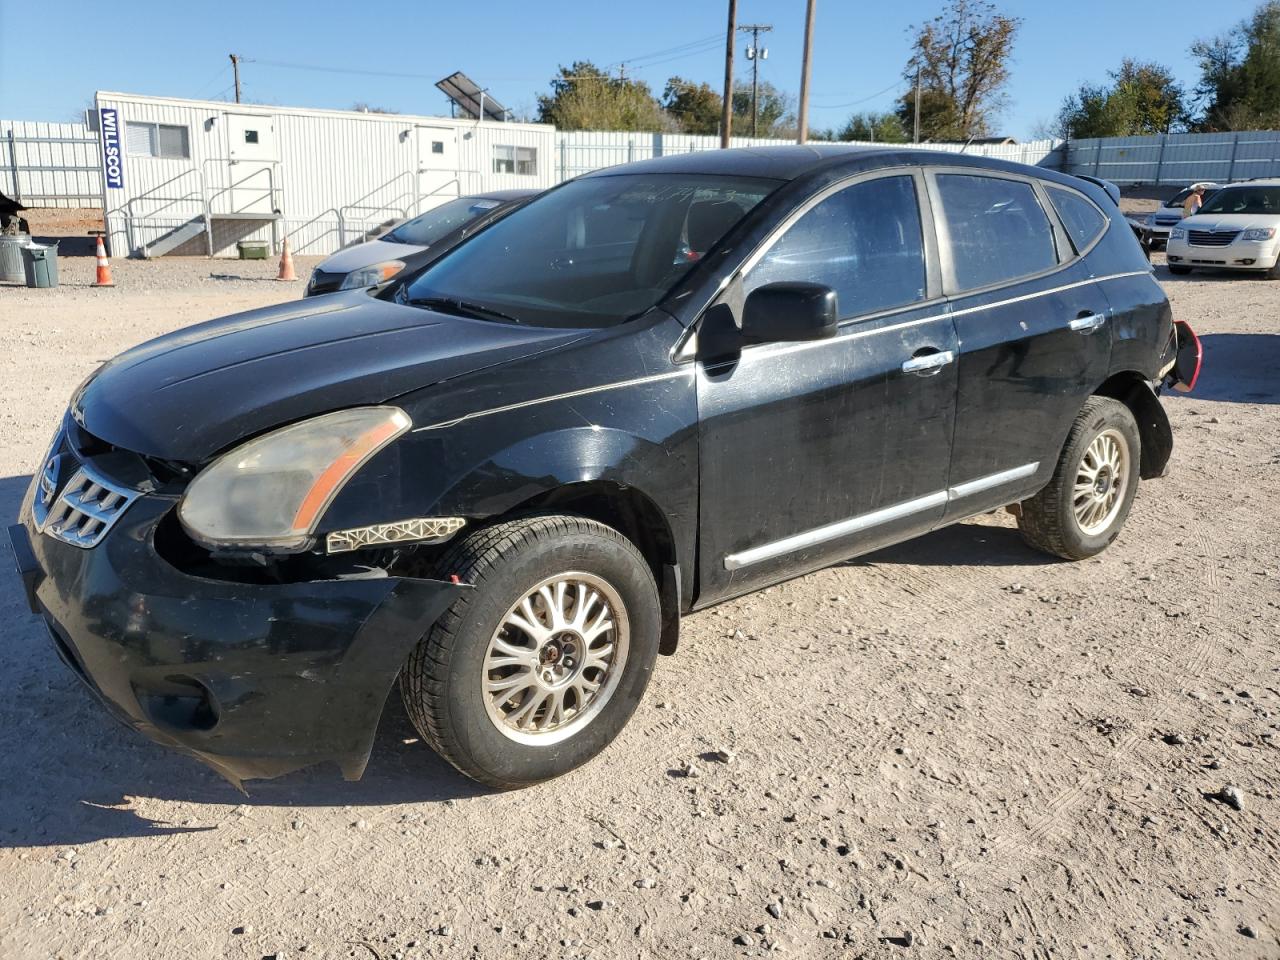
[1101, 482]
[556, 658]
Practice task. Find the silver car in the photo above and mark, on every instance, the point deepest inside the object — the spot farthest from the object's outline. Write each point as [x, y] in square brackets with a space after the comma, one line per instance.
[414, 243]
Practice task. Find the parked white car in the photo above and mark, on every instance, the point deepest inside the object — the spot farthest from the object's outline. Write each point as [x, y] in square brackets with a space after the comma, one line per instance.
[1237, 229]
[1153, 228]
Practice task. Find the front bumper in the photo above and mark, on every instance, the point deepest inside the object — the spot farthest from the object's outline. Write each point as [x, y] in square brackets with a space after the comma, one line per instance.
[1240, 255]
[255, 679]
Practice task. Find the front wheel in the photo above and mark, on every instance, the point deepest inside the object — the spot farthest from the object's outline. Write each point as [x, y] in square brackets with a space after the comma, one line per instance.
[1083, 508]
[537, 669]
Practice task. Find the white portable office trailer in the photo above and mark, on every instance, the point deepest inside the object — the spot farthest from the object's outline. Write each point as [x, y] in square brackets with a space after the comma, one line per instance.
[198, 176]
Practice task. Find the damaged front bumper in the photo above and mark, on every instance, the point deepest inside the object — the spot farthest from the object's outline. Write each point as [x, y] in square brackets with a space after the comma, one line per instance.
[255, 679]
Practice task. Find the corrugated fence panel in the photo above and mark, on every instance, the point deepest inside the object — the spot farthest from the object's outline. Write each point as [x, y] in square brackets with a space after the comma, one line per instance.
[49, 164]
[1178, 159]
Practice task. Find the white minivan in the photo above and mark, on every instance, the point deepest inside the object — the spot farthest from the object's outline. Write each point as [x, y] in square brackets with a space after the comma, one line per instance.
[1238, 228]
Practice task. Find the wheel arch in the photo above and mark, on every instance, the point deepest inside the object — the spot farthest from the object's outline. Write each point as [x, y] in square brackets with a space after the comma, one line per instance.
[638, 518]
[1134, 390]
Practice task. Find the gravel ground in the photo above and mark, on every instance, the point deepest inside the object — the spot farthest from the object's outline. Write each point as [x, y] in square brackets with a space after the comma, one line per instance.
[951, 747]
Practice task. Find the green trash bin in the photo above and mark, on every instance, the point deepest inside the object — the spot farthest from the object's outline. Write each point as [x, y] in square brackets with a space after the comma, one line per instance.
[40, 262]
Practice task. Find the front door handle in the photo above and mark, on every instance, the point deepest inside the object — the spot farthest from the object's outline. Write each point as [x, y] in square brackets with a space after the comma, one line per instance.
[926, 365]
[1088, 323]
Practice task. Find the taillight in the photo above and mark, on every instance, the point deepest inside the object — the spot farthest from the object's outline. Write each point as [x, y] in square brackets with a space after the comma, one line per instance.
[1187, 360]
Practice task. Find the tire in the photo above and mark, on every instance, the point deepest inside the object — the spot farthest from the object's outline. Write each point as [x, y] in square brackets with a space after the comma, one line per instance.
[1179, 271]
[1274, 272]
[1049, 521]
[517, 743]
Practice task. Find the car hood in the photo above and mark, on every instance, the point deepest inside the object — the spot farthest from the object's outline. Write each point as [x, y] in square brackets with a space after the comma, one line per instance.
[193, 393]
[1229, 221]
[366, 255]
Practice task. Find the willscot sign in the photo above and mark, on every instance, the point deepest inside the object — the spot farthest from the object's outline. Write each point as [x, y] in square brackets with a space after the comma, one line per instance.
[112, 155]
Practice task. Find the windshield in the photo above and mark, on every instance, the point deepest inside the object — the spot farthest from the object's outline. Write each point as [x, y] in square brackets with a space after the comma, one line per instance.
[1244, 200]
[439, 221]
[593, 253]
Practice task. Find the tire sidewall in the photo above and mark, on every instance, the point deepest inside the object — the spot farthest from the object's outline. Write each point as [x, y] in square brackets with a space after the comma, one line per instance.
[1112, 416]
[510, 761]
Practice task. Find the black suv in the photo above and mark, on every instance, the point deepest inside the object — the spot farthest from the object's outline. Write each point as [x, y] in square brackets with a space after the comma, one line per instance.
[649, 390]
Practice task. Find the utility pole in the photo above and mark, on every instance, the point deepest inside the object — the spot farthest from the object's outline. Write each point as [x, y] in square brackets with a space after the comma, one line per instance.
[235, 68]
[803, 132]
[756, 53]
[726, 108]
[916, 138]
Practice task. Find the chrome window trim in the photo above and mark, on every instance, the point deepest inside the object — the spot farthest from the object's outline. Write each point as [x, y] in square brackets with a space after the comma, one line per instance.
[875, 518]
[765, 350]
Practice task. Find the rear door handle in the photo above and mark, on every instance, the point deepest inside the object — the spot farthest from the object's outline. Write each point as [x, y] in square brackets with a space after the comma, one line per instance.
[1087, 324]
[928, 364]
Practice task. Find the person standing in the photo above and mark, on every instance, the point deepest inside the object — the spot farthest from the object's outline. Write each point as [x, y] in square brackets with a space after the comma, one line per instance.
[1195, 200]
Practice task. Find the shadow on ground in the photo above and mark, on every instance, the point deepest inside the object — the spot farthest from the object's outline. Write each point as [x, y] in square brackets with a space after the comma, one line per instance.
[68, 769]
[1238, 368]
[967, 544]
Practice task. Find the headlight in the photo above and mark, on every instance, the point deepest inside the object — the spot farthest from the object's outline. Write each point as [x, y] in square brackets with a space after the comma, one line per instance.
[372, 276]
[272, 491]
[1178, 233]
[1258, 233]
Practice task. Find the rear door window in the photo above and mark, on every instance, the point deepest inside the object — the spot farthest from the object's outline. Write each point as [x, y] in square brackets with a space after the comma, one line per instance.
[864, 242]
[1084, 222]
[996, 228]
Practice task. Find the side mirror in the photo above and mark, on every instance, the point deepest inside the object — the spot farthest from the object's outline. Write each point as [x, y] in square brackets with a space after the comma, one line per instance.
[789, 311]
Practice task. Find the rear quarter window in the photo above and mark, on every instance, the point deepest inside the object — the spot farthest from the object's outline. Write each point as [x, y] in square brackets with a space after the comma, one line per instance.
[997, 230]
[1084, 222]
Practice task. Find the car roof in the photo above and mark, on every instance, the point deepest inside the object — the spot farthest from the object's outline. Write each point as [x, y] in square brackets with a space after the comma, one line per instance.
[523, 194]
[793, 161]
[1260, 182]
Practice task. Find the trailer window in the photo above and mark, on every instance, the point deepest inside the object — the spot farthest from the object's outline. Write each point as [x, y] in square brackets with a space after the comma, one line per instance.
[158, 140]
[518, 160]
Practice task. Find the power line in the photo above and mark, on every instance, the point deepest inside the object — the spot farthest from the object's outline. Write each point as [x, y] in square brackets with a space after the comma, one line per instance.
[659, 53]
[853, 103]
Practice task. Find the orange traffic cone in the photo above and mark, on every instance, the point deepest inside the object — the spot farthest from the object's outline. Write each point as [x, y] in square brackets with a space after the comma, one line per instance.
[286, 263]
[104, 268]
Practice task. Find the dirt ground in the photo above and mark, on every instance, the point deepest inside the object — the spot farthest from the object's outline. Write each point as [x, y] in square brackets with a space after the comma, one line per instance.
[951, 747]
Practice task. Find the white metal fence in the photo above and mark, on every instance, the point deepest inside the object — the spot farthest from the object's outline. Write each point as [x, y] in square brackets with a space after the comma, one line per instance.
[50, 164]
[1178, 158]
[583, 151]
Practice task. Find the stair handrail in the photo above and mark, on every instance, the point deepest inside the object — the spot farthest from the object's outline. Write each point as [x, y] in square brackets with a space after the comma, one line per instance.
[341, 227]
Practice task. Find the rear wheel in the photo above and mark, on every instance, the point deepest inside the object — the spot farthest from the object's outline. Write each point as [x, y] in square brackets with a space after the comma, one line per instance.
[1178, 270]
[537, 669]
[1083, 508]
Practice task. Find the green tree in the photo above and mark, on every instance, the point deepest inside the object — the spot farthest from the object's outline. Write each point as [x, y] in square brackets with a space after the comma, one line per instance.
[879, 127]
[694, 107]
[1143, 98]
[962, 59]
[1240, 73]
[584, 97]
[775, 111]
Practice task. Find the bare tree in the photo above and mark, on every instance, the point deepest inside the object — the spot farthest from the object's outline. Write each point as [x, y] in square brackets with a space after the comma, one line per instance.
[961, 58]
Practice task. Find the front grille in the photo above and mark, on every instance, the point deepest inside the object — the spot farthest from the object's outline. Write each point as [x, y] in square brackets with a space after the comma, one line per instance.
[325, 282]
[87, 505]
[1206, 238]
[1167, 221]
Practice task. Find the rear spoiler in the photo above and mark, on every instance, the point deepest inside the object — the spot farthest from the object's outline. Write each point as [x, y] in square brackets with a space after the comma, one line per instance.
[1107, 186]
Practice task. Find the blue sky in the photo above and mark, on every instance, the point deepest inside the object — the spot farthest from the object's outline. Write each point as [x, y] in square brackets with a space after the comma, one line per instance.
[53, 55]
